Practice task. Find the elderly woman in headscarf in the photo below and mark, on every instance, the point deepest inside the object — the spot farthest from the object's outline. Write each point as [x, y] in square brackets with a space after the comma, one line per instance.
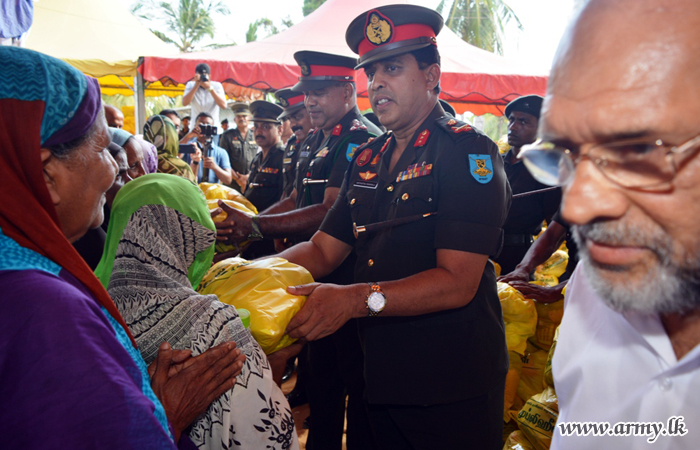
[71, 376]
[160, 243]
[161, 132]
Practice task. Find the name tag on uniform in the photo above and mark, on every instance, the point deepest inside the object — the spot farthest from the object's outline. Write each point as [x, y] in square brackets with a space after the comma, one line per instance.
[304, 155]
[287, 161]
[365, 184]
[269, 170]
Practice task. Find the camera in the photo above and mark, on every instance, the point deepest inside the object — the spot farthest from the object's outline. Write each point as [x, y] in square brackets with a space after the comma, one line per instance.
[207, 130]
[203, 77]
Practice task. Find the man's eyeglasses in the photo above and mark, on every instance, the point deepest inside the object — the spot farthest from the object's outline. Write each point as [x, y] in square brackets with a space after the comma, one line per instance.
[631, 163]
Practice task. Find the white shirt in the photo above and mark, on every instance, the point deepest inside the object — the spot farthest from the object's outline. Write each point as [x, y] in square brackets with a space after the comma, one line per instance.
[613, 367]
[203, 101]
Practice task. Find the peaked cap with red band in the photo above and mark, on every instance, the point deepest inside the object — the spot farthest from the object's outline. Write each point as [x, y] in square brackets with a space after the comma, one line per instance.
[291, 100]
[392, 30]
[320, 70]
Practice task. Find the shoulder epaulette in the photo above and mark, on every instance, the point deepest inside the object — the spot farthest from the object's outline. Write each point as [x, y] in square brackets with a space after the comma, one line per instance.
[455, 127]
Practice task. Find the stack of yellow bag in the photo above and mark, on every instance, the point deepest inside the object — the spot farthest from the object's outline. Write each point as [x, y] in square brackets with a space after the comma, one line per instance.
[261, 288]
[520, 317]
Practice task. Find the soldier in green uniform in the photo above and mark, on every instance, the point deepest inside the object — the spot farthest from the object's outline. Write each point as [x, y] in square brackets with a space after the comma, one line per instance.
[336, 362]
[265, 180]
[423, 207]
[239, 143]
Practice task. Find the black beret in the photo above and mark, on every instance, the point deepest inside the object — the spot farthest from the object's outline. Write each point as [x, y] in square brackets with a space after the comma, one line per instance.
[530, 104]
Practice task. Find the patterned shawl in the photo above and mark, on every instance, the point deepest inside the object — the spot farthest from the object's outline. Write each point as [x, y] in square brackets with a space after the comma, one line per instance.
[160, 243]
[161, 132]
[43, 102]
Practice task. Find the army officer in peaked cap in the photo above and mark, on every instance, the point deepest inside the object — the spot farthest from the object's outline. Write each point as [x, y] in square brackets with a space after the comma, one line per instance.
[328, 84]
[423, 207]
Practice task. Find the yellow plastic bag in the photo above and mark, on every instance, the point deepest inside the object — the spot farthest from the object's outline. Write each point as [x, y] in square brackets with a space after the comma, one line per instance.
[519, 315]
[538, 417]
[215, 191]
[549, 317]
[512, 382]
[548, 378]
[517, 441]
[261, 288]
[212, 204]
[532, 374]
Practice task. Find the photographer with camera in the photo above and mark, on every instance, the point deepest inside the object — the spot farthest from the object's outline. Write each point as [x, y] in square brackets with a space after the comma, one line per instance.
[203, 94]
[209, 161]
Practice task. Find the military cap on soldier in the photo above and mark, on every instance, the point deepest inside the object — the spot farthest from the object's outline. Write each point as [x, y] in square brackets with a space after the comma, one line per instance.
[320, 70]
[529, 104]
[264, 111]
[291, 100]
[240, 108]
[392, 30]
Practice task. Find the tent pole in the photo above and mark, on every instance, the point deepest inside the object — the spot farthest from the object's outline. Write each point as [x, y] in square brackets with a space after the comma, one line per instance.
[140, 101]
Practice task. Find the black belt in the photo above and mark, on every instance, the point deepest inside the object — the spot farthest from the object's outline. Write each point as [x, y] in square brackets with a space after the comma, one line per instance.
[518, 239]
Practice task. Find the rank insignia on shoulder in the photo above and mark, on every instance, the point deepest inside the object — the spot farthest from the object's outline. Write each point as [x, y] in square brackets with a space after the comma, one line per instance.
[337, 130]
[367, 175]
[350, 151]
[462, 128]
[364, 157]
[451, 122]
[481, 168]
[322, 153]
[422, 138]
[375, 161]
[357, 125]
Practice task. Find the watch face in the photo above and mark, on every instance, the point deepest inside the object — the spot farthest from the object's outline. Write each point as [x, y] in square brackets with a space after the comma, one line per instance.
[376, 301]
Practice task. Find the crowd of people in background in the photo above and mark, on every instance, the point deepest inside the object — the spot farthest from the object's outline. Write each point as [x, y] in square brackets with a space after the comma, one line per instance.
[402, 215]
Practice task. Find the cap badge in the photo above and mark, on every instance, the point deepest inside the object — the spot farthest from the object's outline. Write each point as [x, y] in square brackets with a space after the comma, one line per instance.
[378, 29]
[284, 102]
[305, 69]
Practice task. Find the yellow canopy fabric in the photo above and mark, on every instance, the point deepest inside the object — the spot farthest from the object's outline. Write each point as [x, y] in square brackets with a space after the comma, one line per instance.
[112, 85]
[98, 37]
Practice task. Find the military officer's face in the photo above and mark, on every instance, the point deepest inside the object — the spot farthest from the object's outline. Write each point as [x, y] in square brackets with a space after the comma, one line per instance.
[301, 124]
[328, 105]
[241, 121]
[267, 134]
[399, 90]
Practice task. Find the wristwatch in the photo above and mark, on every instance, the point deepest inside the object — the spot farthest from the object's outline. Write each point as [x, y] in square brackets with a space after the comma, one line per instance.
[376, 300]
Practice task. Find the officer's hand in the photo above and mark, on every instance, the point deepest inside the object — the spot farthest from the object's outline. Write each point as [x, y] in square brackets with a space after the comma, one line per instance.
[518, 274]
[327, 308]
[235, 228]
[542, 294]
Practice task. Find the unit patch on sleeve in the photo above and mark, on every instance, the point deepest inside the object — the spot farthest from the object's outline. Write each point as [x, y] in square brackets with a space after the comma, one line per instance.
[481, 168]
[350, 151]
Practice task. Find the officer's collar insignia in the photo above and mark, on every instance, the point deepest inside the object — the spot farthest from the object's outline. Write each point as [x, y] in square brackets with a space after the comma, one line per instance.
[462, 128]
[375, 161]
[481, 168]
[378, 29]
[451, 122]
[284, 102]
[305, 69]
[337, 130]
[364, 157]
[367, 175]
[422, 138]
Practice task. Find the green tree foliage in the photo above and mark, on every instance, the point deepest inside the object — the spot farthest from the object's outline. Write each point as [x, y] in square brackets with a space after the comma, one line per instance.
[267, 25]
[186, 23]
[311, 6]
[479, 22]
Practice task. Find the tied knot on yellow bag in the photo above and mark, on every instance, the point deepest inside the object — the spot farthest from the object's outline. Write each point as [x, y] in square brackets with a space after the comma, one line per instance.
[261, 288]
[215, 192]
